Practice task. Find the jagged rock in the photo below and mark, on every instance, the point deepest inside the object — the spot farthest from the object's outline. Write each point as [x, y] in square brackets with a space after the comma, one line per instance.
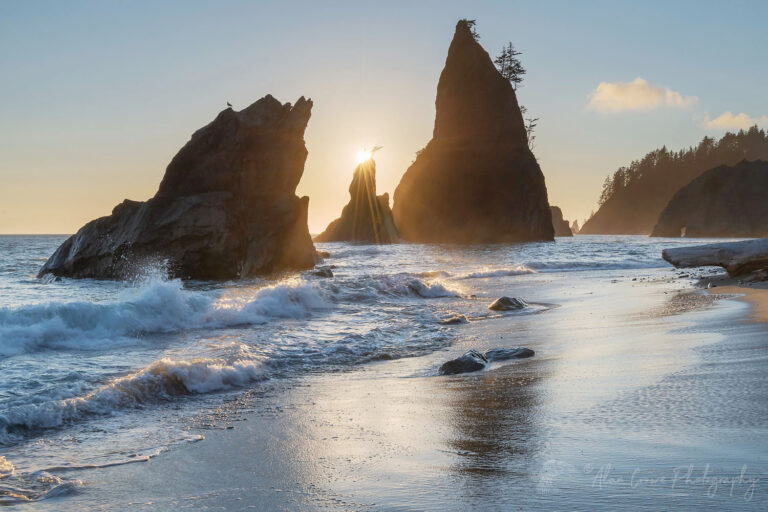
[507, 304]
[472, 361]
[737, 258]
[476, 181]
[505, 354]
[561, 225]
[367, 217]
[575, 227]
[226, 207]
[722, 202]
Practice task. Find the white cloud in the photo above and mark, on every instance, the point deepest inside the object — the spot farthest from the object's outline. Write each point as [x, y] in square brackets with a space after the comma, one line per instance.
[636, 95]
[728, 121]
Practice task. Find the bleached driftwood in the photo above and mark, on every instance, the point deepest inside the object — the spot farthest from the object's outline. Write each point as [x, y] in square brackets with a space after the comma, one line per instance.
[736, 257]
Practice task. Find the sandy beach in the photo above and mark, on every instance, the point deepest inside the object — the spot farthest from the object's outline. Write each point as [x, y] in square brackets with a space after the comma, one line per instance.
[644, 390]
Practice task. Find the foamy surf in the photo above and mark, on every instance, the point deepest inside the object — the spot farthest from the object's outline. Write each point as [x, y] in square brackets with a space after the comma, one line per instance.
[17, 488]
[161, 381]
[154, 307]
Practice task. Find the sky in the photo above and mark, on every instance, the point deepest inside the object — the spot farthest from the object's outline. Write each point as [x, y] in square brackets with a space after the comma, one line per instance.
[96, 97]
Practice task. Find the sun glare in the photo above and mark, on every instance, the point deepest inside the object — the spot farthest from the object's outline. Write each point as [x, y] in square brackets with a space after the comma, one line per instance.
[363, 156]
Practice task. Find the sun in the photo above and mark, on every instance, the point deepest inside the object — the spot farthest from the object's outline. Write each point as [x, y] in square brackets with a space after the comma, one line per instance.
[363, 156]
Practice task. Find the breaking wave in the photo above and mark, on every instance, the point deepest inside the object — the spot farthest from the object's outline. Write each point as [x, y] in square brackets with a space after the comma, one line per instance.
[166, 306]
[162, 380]
[156, 307]
[516, 271]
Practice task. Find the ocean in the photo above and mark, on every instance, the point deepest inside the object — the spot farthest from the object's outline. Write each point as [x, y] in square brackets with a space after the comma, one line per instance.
[95, 374]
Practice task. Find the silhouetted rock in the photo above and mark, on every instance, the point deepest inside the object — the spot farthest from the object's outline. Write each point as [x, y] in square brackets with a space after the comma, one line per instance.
[226, 207]
[476, 181]
[323, 272]
[722, 202]
[737, 258]
[561, 225]
[505, 354]
[575, 227]
[367, 217]
[507, 304]
[472, 361]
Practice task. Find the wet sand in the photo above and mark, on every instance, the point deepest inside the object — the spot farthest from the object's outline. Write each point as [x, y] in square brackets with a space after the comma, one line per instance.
[642, 394]
[755, 293]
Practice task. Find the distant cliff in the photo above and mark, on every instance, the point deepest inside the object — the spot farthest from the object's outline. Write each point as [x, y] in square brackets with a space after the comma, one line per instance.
[562, 228]
[226, 207]
[476, 181]
[722, 202]
[634, 196]
[367, 217]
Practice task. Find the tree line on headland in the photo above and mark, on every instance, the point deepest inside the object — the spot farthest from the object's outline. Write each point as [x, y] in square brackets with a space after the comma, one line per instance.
[635, 195]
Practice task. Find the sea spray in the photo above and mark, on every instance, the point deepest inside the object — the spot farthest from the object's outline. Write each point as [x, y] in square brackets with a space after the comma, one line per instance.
[155, 306]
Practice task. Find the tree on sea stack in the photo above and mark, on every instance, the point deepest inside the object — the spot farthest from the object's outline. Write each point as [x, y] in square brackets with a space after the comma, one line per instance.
[512, 69]
[510, 66]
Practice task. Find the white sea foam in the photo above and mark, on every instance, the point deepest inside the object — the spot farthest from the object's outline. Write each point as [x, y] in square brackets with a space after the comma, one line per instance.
[516, 271]
[154, 307]
[162, 380]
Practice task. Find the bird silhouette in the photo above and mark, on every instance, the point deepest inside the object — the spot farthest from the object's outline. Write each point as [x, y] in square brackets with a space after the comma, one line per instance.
[229, 104]
[375, 149]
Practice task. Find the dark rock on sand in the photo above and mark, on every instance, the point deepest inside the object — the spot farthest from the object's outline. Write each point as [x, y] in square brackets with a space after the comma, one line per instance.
[562, 228]
[226, 207]
[367, 217]
[507, 304]
[476, 181]
[505, 354]
[472, 361]
[722, 202]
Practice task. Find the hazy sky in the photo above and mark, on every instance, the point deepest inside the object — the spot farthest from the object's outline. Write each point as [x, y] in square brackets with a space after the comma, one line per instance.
[96, 97]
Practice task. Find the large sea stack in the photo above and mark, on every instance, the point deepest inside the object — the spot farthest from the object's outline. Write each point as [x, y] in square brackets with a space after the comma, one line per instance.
[476, 181]
[226, 207]
[367, 217]
[722, 202]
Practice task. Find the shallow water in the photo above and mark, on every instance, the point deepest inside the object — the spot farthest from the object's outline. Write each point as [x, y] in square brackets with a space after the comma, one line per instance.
[98, 373]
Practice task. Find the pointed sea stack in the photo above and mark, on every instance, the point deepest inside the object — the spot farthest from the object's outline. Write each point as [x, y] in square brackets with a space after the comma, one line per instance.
[476, 181]
[367, 217]
[226, 207]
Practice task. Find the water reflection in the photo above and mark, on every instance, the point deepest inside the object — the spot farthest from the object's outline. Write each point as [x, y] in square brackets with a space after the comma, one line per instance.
[495, 428]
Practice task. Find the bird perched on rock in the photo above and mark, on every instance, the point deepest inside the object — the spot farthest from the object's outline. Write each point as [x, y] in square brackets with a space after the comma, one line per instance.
[229, 104]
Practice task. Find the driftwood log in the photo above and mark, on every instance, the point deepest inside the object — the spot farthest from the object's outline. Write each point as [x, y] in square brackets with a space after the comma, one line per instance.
[737, 258]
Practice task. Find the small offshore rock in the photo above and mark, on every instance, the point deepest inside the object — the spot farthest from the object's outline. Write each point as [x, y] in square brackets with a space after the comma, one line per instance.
[472, 361]
[508, 304]
[454, 320]
[323, 272]
[324, 254]
[504, 354]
